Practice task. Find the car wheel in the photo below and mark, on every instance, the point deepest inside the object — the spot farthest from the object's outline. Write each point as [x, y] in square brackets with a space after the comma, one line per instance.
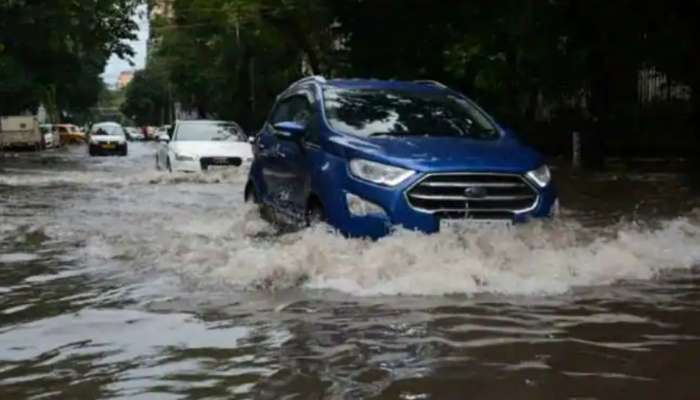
[91, 151]
[315, 214]
[125, 152]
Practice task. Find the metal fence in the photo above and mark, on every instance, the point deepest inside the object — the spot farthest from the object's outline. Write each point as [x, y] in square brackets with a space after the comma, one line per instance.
[654, 87]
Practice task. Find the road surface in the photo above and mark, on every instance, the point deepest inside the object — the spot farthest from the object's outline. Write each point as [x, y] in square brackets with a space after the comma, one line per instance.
[120, 282]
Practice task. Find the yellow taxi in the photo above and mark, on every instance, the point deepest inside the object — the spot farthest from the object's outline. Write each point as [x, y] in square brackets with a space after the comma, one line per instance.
[70, 133]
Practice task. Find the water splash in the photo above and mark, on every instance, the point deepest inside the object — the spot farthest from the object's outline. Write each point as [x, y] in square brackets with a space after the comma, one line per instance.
[535, 259]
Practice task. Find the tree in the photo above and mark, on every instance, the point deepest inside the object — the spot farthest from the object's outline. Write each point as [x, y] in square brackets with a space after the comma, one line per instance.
[147, 99]
[61, 44]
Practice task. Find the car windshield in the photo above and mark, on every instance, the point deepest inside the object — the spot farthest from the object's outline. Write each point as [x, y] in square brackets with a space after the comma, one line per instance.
[384, 112]
[215, 131]
[107, 130]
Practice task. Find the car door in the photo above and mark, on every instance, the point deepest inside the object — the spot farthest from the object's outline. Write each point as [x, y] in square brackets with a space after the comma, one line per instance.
[294, 158]
[266, 154]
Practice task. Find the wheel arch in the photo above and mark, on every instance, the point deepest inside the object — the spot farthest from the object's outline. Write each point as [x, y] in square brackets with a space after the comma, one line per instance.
[251, 189]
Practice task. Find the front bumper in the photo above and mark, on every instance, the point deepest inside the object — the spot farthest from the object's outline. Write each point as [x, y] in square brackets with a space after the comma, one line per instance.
[202, 164]
[397, 210]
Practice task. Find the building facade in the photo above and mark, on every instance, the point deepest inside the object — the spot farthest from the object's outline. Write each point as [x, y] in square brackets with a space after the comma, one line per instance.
[125, 77]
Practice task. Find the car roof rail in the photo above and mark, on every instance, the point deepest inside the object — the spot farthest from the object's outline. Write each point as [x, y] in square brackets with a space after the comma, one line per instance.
[311, 78]
[431, 82]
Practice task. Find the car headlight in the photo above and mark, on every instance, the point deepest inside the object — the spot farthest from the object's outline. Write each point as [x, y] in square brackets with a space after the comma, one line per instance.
[541, 176]
[381, 174]
[183, 157]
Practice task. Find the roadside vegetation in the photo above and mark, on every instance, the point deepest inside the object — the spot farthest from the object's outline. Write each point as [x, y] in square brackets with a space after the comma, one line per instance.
[622, 73]
[53, 52]
[625, 74]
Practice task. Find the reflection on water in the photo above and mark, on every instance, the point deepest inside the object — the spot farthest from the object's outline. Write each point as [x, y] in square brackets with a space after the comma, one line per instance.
[119, 282]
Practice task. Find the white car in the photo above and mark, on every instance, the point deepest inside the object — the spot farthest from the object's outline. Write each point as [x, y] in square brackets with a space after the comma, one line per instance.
[133, 133]
[107, 138]
[203, 145]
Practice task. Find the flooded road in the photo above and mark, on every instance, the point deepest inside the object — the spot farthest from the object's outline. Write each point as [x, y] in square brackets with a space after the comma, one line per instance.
[121, 282]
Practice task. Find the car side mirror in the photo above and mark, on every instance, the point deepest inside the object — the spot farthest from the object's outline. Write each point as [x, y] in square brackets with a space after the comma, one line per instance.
[251, 139]
[289, 130]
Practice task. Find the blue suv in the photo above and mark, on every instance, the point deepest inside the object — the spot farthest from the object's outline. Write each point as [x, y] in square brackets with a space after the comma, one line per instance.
[367, 155]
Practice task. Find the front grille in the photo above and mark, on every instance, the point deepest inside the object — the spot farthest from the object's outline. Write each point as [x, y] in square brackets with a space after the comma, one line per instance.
[473, 195]
[206, 162]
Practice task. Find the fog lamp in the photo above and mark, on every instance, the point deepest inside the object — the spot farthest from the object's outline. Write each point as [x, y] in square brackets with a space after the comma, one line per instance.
[360, 207]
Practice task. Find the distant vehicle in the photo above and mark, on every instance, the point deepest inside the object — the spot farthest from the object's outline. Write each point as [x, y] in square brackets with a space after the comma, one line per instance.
[149, 132]
[133, 134]
[365, 155]
[138, 136]
[51, 136]
[20, 132]
[202, 145]
[70, 133]
[107, 138]
[162, 133]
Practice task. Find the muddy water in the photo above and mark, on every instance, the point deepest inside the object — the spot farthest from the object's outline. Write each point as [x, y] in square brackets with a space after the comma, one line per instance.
[120, 282]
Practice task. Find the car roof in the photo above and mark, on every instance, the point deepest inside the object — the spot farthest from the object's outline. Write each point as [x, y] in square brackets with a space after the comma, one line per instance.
[107, 124]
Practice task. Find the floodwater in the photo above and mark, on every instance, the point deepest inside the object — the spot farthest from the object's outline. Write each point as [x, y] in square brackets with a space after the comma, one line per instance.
[120, 282]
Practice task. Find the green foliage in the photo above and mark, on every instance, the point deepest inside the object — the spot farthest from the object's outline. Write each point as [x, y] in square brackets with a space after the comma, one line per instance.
[578, 61]
[60, 45]
[146, 98]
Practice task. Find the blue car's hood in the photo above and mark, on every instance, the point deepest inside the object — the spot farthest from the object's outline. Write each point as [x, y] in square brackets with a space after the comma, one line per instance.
[444, 153]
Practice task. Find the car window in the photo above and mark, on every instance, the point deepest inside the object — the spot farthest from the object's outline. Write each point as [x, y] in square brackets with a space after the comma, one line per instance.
[383, 112]
[214, 131]
[62, 130]
[107, 130]
[281, 112]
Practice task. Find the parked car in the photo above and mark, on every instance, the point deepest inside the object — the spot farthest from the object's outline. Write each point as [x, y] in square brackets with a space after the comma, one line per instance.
[70, 133]
[51, 136]
[202, 145]
[162, 133]
[366, 155]
[133, 134]
[20, 132]
[149, 132]
[107, 138]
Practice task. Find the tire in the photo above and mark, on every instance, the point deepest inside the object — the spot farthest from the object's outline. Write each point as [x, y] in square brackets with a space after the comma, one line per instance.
[315, 214]
[168, 165]
[91, 151]
[124, 152]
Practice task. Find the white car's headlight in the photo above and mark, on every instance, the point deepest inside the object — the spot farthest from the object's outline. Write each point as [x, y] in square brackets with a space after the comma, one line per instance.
[541, 176]
[381, 174]
[184, 157]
